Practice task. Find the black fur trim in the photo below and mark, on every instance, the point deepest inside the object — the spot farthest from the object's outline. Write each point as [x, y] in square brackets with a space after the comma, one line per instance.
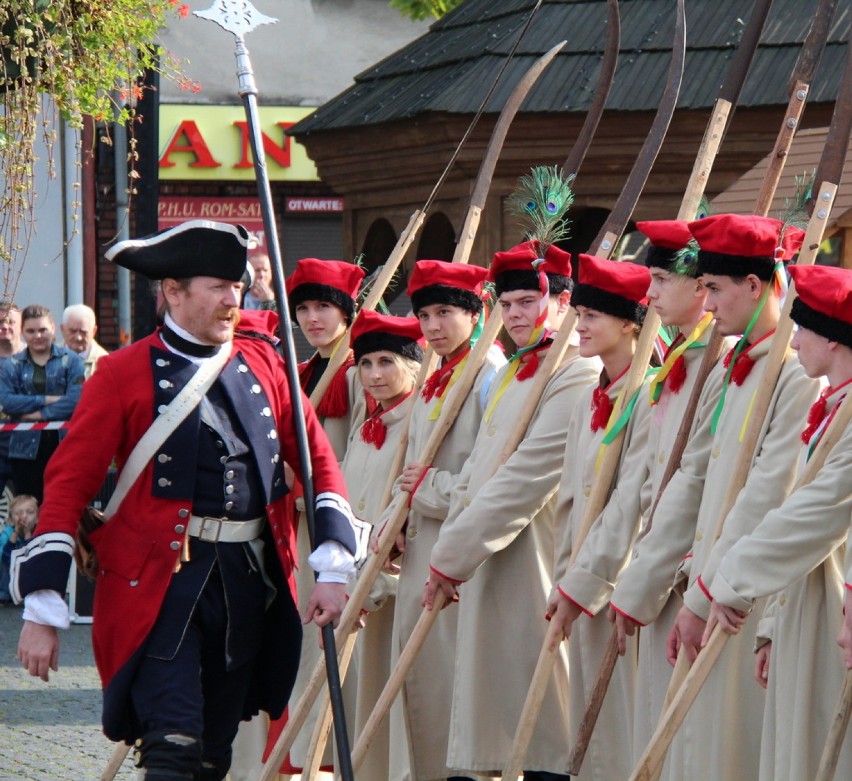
[829, 327]
[528, 280]
[660, 257]
[608, 303]
[446, 294]
[312, 291]
[737, 266]
[378, 340]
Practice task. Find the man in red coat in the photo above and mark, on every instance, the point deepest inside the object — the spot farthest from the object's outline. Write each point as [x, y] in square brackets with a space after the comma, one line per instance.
[195, 624]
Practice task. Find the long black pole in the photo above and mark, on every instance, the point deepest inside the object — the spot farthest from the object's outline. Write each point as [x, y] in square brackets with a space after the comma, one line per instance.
[248, 93]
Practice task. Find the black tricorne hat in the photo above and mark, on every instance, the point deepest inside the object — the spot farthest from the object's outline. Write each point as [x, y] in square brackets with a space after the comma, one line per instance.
[198, 248]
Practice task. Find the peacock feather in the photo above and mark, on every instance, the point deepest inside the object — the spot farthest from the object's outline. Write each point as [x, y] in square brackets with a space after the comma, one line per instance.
[541, 201]
[685, 261]
[796, 207]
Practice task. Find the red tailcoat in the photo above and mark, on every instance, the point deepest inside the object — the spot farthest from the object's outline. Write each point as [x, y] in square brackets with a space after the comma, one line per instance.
[140, 545]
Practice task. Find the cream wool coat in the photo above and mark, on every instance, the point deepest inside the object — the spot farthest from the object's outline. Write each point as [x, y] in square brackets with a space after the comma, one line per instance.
[366, 471]
[590, 581]
[797, 550]
[500, 534]
[649, 583]
[419, 727]
[720, 737]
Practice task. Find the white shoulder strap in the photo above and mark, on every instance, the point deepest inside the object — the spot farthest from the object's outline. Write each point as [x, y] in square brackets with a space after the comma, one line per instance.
[162, 428]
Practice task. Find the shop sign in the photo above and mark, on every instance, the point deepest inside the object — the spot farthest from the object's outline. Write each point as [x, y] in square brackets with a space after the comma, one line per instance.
[212, 143]
[301, 205]
[173, 210]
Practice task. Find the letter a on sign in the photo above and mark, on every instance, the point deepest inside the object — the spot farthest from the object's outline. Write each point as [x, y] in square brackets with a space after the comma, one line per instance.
[195, 145]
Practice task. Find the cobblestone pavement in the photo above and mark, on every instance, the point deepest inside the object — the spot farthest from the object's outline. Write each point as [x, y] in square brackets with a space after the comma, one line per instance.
[52, 731]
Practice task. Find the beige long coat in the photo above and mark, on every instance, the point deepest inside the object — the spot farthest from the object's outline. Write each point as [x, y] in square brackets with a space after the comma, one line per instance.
[645, 586]
[720, 737]
[500, 535]
[366, 471]
[419, 727]
[797, 550]
[591, 579]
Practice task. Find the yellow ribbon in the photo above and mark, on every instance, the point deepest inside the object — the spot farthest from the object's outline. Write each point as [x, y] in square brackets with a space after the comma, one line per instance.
[436, 410]
[693, 337]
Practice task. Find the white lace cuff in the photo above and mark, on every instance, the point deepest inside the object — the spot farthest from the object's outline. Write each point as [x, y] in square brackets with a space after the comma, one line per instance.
[46, 607]
[333, 562]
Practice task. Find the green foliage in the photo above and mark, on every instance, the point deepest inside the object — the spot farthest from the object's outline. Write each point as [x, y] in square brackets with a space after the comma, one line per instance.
[418, 10]
[87, 56]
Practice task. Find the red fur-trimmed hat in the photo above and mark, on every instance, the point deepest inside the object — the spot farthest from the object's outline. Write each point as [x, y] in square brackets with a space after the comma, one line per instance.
[736, 245]
[824, 301]
[668, 238]
[440, 282]
[617, 288]
[372, 332]
[334, 281]
[514, 270]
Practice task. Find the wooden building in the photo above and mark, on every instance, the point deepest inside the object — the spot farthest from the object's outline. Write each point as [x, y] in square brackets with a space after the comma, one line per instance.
[383, 143]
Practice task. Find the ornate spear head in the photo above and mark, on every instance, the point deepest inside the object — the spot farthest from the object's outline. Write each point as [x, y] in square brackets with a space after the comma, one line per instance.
[236, 16]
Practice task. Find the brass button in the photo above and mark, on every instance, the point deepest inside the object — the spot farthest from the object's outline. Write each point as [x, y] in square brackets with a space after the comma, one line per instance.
[714, 453]
[183, 513]
[698, 536]
[412, 532]
[175, 545]
[361, 505]
[180, 529]
[587, 490]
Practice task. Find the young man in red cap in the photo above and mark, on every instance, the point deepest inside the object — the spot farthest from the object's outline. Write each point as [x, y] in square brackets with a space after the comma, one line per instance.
[201, 530]
[740, 263]
[610, 303]
[387, 357]
[678, 298]
[796, 553]
[501, 529]
[447, 300]
[322, 295]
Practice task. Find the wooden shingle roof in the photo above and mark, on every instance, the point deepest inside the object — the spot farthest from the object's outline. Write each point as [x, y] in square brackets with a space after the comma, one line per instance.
[450, 69]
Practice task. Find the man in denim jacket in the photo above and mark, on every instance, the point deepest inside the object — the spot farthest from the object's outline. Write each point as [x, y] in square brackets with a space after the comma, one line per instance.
[40, 383]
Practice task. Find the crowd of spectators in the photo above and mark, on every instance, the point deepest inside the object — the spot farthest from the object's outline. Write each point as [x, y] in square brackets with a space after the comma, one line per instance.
[40, 385]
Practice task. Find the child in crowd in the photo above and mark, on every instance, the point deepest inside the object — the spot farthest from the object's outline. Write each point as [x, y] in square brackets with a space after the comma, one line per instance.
[23, 516]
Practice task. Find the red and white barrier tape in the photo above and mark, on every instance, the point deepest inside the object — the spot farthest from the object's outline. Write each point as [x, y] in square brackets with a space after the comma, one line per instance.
[40, 426]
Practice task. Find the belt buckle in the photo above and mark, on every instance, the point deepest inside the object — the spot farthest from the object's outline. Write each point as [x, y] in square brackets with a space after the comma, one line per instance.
[214, 524]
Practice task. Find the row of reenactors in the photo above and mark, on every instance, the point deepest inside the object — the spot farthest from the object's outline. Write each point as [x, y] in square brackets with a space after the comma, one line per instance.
[497, 535]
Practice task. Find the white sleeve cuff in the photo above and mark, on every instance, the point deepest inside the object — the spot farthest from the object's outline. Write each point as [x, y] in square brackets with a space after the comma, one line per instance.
[332, 562]
[46, 607]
